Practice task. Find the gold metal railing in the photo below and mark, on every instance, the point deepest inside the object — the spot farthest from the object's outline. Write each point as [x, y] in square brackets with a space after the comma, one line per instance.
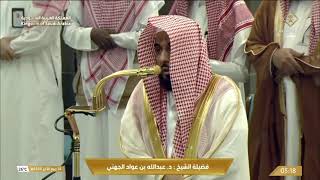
[98, 104]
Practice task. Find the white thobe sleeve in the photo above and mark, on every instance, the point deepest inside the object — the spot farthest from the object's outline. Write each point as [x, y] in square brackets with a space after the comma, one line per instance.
[32, 39]
[75, 35]
[129, 40]
[78, 37]
[236, 67]
[228, 136]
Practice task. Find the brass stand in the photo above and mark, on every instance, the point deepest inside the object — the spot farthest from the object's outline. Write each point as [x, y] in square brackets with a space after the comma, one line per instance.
[98, 105]
[75, 145]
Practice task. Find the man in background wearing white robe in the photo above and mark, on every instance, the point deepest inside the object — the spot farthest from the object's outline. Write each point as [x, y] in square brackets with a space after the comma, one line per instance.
[160, 118]
[31, 90]
[226, 26]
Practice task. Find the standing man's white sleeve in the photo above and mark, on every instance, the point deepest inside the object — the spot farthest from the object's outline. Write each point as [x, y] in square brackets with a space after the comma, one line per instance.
[32, 39]
[235, 67]
[75, 35]
[129, 40]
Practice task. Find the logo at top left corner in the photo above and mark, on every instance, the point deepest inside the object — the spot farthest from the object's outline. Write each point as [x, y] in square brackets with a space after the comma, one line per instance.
[17, 17]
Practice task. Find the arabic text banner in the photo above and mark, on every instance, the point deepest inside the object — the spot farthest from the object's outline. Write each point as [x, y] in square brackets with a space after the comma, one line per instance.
[218, 166]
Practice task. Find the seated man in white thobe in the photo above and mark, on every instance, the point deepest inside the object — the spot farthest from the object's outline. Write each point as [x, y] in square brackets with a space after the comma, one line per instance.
[164, 111]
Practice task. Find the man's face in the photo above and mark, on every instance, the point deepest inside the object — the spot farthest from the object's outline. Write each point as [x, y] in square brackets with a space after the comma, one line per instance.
[162, 51]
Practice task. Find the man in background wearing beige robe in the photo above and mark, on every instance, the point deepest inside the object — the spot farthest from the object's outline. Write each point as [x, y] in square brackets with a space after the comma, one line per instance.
[285, 125]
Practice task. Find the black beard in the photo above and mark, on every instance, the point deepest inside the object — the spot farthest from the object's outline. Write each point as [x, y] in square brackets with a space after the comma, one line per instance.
[165, 82]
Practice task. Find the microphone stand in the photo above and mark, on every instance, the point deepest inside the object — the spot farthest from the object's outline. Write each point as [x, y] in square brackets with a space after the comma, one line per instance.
[98, 104]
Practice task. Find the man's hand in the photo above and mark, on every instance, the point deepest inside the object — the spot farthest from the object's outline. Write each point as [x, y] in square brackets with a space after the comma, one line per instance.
[6, 53]
[283, 60]
[173, 177]
[102, 38]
